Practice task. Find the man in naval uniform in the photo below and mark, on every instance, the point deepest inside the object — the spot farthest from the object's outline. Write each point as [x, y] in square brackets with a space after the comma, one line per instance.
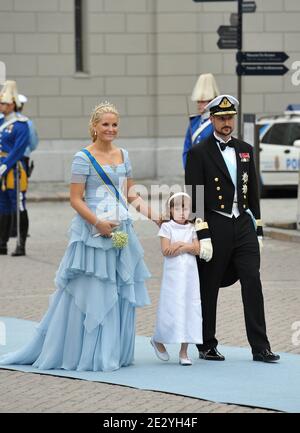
[200, 126]
[230, 235]
[14, 138]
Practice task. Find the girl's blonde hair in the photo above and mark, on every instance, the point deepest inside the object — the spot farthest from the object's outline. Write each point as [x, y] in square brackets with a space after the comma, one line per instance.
[99, 110]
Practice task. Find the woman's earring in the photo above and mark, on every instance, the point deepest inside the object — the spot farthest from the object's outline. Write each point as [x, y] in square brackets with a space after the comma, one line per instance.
[95, 134]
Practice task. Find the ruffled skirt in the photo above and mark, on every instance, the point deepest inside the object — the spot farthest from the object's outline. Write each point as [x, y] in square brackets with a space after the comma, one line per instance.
[90, 322]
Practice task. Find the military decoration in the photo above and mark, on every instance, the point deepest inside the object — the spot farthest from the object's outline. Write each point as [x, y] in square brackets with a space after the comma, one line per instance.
[245, 157]
[245, 177]
[244, 188]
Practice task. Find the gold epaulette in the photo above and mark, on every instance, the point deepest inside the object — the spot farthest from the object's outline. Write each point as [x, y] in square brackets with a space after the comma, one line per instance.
[200, 225]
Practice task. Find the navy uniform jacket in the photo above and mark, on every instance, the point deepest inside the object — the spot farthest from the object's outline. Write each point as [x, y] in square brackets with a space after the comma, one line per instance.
[206, 166]
[191, 138]
[13, 140]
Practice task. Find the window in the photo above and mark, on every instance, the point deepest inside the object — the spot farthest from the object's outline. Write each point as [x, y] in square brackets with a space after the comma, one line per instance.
[294, 133]
[278, 134]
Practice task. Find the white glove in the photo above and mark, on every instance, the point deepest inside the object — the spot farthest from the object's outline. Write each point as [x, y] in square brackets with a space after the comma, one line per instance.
[206, 249]
[3, 168]
[261, 244]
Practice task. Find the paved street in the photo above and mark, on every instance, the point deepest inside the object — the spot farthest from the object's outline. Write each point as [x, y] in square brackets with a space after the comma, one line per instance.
[27, 282]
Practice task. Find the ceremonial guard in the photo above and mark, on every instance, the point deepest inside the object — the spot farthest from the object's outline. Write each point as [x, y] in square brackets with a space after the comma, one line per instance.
[28, 164]
[14, 139]
[33, 138]
[200, 126]
[229, 235]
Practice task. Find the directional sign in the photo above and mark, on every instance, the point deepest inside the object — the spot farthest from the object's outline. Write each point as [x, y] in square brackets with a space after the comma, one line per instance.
[227, 31]
[261, 69]
[227, 43]
[261, 57]
[200, 1]
[248, 7]
[234, 19]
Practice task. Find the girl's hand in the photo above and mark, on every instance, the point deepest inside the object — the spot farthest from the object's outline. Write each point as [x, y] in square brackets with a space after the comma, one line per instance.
[174, 249]
[177, 245]
[192, 248]
[105, 228]
[183, 249]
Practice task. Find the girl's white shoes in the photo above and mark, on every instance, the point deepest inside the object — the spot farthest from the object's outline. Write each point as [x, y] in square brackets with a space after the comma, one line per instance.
[185, 361]
[163, 356]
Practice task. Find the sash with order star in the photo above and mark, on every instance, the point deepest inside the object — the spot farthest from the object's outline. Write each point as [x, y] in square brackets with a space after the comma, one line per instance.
[105, 179]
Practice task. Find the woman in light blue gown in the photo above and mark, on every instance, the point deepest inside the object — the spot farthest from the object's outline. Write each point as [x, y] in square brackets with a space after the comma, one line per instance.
[90, 322]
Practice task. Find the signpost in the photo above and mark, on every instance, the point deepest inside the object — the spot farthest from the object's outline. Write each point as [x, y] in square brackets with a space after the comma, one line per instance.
[261, 57]
[234, 19]
[261, 63]
[228, 37]
[248, 63]
[227, 43]
[248, 7]
[240, 46]
[225, 31]
[261, 69]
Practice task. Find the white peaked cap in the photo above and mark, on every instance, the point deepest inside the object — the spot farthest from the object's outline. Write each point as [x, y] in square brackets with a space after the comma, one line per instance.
[23, 99]
[222, 105]
[9, 93]
[205, 88]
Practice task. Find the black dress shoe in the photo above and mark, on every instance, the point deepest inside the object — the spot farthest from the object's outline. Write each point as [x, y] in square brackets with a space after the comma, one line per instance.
[19, 251]
[3, 251]
[265, 356]
[211, 355]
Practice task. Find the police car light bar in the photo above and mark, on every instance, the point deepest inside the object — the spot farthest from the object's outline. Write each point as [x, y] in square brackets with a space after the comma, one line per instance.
[292, 109]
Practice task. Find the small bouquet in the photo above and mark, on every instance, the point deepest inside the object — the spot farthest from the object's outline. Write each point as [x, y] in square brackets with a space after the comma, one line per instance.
[119, 239]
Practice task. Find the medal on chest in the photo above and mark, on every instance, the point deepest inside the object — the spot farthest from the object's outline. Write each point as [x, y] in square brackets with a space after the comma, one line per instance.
[245, 157]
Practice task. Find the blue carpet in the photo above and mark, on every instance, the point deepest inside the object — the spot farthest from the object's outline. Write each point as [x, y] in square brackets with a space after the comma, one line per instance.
[238, 380]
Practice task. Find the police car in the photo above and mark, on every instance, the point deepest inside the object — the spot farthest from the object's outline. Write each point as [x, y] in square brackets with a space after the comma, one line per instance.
[280, 149]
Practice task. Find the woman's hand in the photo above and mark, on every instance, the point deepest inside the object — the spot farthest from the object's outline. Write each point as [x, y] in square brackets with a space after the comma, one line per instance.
[158, 221]
[105, 228]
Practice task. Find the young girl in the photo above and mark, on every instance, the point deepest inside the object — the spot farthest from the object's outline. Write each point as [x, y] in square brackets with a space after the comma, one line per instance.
[179, 316]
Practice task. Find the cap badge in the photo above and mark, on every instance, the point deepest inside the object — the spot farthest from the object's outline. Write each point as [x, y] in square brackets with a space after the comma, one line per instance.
[225, 103]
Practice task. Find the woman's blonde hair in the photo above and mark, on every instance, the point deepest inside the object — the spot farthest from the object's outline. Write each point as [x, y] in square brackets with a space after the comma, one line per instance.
[99, 110]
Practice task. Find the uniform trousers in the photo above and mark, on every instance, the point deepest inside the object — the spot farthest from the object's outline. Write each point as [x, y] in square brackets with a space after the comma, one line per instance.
[233, 239]
[8, 201]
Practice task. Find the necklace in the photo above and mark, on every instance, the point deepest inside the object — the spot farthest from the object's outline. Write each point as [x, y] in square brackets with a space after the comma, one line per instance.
[113, 165]
[109, 162]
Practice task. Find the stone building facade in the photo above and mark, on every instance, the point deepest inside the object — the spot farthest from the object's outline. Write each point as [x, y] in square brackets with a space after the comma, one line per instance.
[143, 55]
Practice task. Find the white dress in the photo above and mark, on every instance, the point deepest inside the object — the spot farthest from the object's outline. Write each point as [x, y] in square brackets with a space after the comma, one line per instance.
[179, 315]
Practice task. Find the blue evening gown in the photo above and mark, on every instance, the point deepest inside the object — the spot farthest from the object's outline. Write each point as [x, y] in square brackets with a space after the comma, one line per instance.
[90, 322]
